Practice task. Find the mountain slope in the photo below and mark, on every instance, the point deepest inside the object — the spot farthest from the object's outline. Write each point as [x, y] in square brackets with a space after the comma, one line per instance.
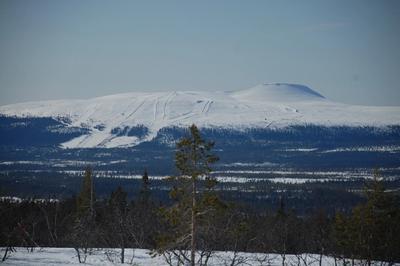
[109, 119]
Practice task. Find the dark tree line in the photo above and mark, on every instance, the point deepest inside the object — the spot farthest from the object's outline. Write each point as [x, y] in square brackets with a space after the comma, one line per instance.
[197, 222]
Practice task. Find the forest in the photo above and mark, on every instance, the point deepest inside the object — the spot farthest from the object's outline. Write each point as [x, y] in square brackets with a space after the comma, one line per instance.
[197, 221]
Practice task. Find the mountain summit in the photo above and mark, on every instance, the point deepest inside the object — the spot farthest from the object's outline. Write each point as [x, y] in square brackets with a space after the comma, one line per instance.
[278, 92]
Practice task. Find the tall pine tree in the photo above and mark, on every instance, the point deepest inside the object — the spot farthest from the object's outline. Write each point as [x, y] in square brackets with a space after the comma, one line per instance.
[85, 230]
[86, 196]
[193, 159]
[144, 195]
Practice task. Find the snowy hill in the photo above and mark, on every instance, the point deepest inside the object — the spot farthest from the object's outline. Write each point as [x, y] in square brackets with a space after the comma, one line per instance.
[108, 119]
[278, 92]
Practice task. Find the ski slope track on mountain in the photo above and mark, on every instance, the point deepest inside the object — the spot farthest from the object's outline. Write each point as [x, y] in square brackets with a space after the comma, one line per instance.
[270, 105]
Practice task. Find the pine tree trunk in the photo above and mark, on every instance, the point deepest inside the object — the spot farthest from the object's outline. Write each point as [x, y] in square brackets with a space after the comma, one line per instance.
[5, 253]
[78, 253]
[123, 255]
[193, 225]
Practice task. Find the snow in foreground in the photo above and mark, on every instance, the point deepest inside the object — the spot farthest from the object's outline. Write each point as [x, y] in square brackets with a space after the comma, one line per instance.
[67, 256]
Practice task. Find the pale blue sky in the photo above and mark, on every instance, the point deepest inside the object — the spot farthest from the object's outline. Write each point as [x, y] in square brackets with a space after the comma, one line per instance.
[346, 50]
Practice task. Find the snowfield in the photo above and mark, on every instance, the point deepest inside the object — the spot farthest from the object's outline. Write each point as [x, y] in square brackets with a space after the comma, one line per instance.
[67, 256]
[270, 105]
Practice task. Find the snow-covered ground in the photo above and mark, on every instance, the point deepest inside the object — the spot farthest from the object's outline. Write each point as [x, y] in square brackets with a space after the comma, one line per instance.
[268, 105]
[67, 256]
[289, 176]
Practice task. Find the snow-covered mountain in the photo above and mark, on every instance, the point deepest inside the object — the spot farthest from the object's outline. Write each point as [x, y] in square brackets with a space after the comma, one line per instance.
[271, 105]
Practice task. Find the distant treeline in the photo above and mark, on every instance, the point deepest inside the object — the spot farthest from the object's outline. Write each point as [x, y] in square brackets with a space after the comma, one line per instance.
[369, 231]
[260, 196]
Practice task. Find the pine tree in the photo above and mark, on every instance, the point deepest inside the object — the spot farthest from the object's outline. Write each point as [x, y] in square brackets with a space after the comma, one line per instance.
[117, 226]
[378, 217]
[84, 232]
[369, 232]
[192, 159]
[144, 196]
[86, 196]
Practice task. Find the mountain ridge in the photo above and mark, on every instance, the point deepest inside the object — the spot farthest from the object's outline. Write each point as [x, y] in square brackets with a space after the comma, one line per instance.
[268, 105]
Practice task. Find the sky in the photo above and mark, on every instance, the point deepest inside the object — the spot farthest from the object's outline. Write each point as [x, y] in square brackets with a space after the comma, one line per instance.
[346, 50]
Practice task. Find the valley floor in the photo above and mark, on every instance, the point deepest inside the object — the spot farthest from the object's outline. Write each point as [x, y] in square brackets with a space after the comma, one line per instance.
[67, 256]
